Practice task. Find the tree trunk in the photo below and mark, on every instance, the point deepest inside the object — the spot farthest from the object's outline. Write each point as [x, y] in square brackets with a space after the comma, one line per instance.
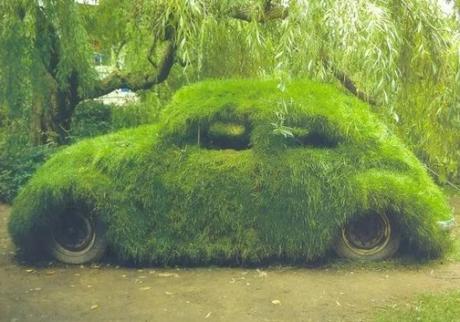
[52, 112]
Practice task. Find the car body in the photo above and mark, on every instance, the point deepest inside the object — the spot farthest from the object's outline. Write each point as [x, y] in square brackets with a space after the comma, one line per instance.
[237, 171]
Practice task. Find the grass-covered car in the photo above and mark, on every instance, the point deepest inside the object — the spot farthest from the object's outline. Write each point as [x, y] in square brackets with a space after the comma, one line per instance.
[237, 172]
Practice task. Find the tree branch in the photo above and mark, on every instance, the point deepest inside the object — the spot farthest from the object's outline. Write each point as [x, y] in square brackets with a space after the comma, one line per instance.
[350, 86]
[270, 13]
[347, 82]
[137, 81]
[276, 12]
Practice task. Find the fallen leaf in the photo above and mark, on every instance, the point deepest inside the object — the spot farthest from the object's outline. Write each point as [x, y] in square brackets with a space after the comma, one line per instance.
[145, 288]
[168, 275]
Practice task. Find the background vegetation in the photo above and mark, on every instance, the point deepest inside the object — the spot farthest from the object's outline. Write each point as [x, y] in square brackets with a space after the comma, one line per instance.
[401, 57]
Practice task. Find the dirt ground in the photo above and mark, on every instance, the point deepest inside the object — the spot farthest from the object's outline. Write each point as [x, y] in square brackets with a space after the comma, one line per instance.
[107, 292]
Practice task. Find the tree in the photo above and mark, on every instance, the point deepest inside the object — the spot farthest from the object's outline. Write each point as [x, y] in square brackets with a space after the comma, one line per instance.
[398, 55]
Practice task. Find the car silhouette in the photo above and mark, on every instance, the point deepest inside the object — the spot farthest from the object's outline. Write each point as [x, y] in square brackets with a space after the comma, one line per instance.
[237, 172]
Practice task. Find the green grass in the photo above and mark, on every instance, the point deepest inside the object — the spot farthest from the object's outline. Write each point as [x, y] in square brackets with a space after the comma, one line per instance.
[454, 254]
[292, 169]
[427, 308]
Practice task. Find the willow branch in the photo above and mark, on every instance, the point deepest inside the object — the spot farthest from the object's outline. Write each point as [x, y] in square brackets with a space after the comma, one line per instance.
[137, 81]
[269, 13]
[347, 82]
[275, 12]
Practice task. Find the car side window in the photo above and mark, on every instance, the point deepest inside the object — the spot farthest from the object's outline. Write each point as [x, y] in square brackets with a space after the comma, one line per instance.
[312, 138]
[225, 135]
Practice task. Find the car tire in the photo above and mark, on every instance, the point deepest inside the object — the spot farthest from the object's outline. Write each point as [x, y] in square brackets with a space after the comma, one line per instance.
[372, 237]
[77, 238]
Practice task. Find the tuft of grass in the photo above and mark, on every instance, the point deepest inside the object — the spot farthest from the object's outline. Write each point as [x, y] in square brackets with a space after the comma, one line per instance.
[427, 308]
[238, 171]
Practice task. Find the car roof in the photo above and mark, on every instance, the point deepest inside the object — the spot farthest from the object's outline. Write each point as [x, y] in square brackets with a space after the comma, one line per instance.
[302, 102]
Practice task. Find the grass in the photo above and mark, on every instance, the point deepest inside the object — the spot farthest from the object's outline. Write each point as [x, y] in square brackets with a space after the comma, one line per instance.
[443, 307]
[239, 172]
[427, 308]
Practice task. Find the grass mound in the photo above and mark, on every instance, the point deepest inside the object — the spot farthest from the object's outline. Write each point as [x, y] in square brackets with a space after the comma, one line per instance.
[239, 172]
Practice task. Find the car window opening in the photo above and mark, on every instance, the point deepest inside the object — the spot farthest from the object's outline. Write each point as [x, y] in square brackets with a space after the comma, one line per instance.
[314, 139]
[228, 135]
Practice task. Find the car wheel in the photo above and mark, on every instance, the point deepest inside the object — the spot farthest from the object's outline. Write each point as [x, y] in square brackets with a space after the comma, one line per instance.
[371, 237]
[77, 238]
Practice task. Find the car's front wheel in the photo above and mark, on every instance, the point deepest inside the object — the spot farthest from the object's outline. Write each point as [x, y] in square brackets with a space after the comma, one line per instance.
[372, 237]
[77, 238]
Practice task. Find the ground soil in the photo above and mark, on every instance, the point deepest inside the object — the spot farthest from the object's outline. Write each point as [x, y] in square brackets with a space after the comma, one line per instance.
[107, 292]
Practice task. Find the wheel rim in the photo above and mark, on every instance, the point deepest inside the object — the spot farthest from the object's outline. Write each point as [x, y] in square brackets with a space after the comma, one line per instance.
[74, 232]
[367, 235]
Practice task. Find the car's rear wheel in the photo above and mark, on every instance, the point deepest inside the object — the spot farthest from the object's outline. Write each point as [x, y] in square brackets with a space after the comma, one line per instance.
[77, 238]
[371, 237]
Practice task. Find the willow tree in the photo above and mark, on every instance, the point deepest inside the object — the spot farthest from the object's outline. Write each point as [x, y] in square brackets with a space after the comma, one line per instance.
[401, 56]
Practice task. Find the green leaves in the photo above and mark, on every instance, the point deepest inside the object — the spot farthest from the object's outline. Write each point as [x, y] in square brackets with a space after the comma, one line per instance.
[403, 54]
[279, 127]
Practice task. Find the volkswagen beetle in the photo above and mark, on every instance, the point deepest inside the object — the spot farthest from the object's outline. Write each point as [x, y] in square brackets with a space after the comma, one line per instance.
[237, 171]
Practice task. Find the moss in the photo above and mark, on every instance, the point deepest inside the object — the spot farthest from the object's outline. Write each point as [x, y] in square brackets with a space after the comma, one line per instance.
[284, 171]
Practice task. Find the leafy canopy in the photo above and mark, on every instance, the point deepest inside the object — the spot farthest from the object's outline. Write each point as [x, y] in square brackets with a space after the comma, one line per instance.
[401, 55]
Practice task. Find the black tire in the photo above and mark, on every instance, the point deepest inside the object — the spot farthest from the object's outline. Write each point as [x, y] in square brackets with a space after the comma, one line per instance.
[372, 237]
[77, 238]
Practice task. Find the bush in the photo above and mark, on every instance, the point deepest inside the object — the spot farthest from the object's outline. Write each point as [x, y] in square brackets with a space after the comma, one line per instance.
[90, 119]
[93, 118]
[17, 165]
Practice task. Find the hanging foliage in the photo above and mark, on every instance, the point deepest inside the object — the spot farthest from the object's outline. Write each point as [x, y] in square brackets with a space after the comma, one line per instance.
[400, 56]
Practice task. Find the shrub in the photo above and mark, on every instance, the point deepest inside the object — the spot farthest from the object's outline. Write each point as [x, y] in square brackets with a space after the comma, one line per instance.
[93, 118]
[17, 165]
[90, 119]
